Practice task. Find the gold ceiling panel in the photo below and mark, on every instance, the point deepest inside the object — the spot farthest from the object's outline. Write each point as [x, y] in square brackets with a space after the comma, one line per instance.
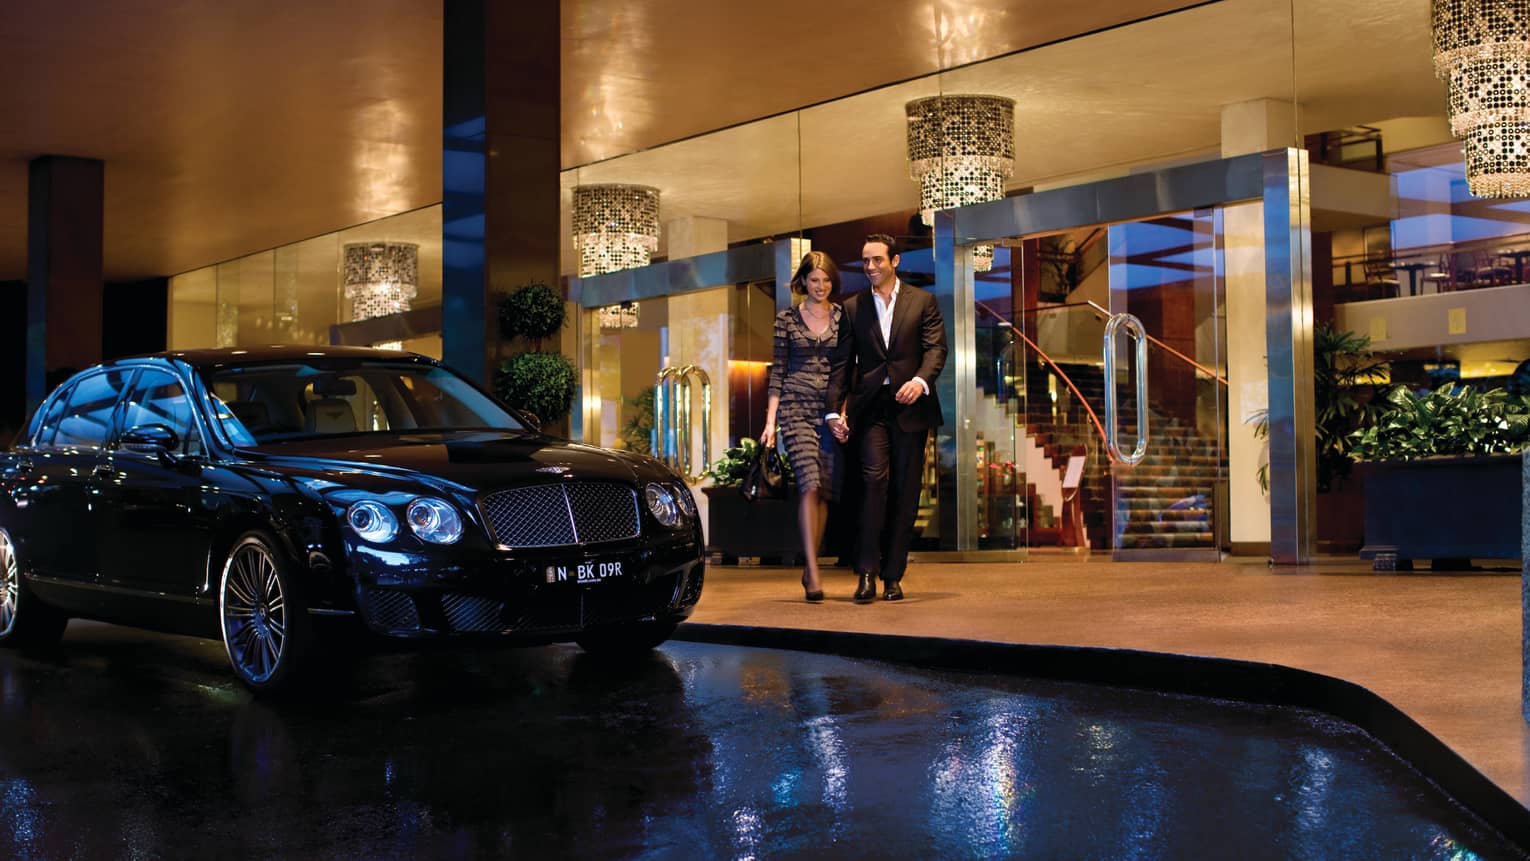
[239, 125]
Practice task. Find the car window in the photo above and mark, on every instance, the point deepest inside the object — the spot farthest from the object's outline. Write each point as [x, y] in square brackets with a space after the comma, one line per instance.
[47, 423]
[159, 398]
[87, 420]
[265, 402]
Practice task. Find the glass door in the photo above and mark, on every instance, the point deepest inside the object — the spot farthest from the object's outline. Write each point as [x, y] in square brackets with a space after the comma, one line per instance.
[1046, 481]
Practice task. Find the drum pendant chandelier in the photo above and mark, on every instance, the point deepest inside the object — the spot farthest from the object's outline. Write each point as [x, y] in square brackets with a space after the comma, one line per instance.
[1482, 51]
[615, 227]
[961, 148]
[381, 278]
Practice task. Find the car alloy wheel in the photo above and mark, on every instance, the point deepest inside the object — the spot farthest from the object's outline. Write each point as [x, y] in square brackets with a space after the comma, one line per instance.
[23, 619]
[263, 624]
[10, 585]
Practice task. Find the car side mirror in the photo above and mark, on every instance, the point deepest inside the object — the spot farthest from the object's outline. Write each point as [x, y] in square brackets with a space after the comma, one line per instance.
[530, 419]
[156, 439]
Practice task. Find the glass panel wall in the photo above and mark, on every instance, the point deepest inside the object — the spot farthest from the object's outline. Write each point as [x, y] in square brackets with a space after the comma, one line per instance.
[296, 294]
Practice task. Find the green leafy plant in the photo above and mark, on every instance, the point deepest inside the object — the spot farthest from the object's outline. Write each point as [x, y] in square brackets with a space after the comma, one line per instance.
[533, 312]
[541, 383]
[730, 469]
[1451, 420]
[636, 433]
[1349, 394]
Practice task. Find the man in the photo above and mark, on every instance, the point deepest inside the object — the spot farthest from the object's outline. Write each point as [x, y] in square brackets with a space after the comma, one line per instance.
[886, 365]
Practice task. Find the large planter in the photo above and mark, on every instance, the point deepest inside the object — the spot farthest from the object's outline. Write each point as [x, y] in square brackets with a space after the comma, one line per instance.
[1340, 514]
[766, 528]
[1446, 509]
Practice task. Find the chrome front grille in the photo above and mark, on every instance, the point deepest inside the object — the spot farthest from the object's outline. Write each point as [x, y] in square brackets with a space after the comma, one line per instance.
[557, 515]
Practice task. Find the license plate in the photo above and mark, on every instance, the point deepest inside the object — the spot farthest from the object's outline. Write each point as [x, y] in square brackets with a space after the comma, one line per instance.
[585, 573]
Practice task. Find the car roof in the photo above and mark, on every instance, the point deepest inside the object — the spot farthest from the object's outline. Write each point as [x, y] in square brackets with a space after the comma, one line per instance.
[215, 356]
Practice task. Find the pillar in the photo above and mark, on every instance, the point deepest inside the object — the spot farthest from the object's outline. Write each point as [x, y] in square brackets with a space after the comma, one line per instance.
[500, 162]
[1255, 526]
[64, 269]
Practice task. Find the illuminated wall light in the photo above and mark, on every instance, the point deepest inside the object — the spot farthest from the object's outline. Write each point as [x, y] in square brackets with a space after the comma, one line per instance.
[622, 316]
[381, 278]
[1482, 51]
[961, 149]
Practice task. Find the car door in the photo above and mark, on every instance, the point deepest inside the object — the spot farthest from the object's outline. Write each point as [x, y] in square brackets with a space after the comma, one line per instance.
[57, 527]
[154, 529]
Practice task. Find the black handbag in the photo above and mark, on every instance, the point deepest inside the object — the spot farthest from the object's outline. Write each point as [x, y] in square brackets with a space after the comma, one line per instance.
[766, 478]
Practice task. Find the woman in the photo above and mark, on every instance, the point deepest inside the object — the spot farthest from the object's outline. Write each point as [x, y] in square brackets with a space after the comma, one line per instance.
[805, 337]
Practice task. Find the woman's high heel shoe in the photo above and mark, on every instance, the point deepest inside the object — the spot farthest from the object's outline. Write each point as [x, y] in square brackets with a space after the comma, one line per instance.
[813, 596]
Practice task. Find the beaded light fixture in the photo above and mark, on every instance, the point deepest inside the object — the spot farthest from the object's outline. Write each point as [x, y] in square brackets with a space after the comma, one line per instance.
[615, 227]
[381, 278]
[1482, 51]
[623, 316]
[961, 148]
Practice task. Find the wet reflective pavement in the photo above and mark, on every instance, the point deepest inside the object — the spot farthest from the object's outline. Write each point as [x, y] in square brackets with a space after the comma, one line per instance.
[127, 744]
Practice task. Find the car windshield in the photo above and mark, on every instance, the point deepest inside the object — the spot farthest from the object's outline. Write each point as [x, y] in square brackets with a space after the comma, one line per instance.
[319, 397]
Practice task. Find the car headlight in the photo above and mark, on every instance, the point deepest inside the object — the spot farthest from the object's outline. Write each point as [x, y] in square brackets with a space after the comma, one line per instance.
[372, 520]
[684, 500]
[434, 520]
[662, 503]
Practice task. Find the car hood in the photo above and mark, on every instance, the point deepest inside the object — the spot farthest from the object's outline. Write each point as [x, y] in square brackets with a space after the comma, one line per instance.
[469, 459]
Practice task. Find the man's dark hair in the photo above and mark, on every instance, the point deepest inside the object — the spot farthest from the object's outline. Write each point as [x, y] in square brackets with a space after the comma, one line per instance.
[891, 243]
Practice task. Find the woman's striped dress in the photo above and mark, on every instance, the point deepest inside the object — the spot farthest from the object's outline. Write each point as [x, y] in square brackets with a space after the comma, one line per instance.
[799, 376]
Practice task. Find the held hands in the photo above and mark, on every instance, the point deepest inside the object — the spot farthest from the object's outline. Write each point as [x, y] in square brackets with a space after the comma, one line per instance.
[909, 392]
[839, 428]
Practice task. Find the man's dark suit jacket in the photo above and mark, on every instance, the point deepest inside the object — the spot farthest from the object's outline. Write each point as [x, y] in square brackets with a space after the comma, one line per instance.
[917, 349]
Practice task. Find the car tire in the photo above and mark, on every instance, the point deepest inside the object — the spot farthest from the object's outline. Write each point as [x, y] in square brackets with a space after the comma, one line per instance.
[267, 634]
[24, 620]
[628, 638]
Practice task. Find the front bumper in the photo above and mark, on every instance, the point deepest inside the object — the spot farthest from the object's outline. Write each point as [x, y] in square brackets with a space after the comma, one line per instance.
[526, 594]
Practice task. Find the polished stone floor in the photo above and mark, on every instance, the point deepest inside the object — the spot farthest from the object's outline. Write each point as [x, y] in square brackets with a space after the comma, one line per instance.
[1444, 647]
[124, 744]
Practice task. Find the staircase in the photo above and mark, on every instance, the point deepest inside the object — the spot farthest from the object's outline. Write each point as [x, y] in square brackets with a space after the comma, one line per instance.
[1166, 499]
[1163, 501]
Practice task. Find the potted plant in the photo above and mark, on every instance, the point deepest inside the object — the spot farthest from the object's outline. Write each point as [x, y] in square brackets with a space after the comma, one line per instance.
[1444, 477]
[540, 383]
[1349, 394]
[736, 527]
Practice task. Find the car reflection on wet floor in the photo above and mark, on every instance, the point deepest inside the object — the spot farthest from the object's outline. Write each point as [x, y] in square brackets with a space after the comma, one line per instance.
[127, 744]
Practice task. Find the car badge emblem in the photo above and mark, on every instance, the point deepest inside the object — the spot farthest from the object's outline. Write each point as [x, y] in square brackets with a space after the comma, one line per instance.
[555, 470]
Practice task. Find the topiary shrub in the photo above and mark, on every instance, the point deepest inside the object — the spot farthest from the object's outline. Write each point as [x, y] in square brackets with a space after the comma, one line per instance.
[540, 383]
[533, 312]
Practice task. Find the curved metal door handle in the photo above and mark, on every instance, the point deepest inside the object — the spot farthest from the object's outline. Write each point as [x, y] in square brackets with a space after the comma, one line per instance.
[1133, 328]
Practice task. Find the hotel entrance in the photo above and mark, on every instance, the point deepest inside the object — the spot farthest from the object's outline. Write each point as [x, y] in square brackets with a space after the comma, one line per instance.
[1130, 363]
[1098, 416]
[1121, 377]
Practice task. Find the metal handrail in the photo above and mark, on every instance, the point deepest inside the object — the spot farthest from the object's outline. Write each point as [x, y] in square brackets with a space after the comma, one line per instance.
[1105, 314]
[1056, 369]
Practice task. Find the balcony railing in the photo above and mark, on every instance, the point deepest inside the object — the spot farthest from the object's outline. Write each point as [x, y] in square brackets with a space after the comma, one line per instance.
[1432, 269]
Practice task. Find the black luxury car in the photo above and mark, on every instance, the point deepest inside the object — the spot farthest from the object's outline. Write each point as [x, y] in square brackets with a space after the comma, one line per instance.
[268, 496]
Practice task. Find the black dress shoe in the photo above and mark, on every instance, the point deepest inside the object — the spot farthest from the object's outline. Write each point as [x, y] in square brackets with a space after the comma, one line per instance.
[867, 590]
[893, 592]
